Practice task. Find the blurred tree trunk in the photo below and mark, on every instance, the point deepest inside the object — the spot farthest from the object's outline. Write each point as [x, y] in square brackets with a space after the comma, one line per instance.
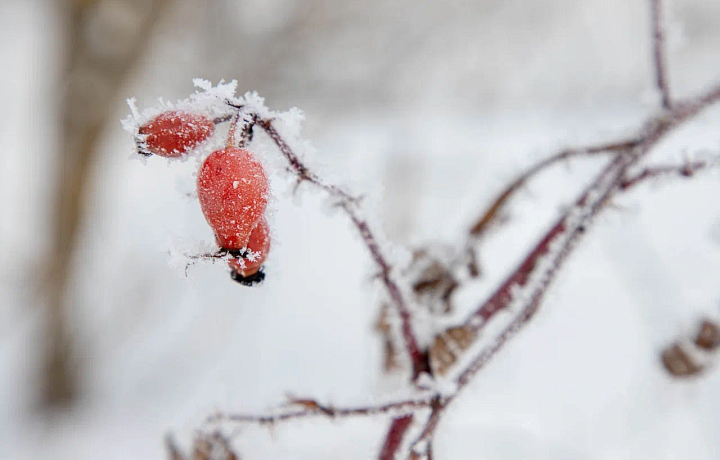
[104, 39]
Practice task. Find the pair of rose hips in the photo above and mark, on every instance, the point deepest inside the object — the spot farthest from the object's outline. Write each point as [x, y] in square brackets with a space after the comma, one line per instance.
[232, 188]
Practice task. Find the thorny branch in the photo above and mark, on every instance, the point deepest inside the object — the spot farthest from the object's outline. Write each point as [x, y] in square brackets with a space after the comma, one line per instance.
[458, 347]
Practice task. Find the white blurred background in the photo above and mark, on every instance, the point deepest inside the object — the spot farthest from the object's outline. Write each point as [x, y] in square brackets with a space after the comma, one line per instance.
[431, 105]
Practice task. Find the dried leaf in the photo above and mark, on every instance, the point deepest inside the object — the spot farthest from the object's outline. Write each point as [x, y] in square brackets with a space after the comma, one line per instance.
[678, 363]
[447, 346]
[708, 337]
[213, 446]
[390, 352]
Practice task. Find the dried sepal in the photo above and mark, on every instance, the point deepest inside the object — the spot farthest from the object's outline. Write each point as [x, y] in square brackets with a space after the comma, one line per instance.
[447, 346]
[679, 362]
[206, 446]
[390, 352]
[213, 446]
[708, 336]
[433, 282]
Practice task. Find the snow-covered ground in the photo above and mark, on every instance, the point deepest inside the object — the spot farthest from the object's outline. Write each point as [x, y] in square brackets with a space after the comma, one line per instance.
[160, 351]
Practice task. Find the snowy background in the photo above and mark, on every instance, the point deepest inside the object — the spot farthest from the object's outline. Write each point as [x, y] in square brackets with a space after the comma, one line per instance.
[433, 106]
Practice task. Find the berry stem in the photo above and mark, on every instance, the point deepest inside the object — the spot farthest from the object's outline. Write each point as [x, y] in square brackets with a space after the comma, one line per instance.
[230, 143]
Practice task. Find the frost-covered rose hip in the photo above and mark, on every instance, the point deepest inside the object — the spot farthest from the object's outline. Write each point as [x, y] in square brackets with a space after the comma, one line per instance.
[233, 193]
[257, 247]
[174, 133]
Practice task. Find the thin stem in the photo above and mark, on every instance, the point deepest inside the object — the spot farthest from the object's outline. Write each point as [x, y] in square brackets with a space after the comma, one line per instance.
[658, 33]
[349, 205]
[230, 143]
[302, 172]
[483, 223]
[311, 408]
[683, 170]
[418, 358]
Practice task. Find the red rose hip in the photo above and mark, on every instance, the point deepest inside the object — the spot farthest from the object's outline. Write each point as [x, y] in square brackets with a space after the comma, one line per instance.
[258, 247]
[174, 133]
[232, 189]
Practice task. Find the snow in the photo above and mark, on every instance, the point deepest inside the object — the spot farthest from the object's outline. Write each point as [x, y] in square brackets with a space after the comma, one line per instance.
[162, 351]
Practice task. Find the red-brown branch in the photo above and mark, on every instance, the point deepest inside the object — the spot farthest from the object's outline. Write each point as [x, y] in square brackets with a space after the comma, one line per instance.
[298, 167]
[349, 205]
[394, 438]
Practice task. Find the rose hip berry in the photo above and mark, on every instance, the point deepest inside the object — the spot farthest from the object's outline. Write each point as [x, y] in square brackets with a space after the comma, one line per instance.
[174, 133]
[257, 246]
[232, 189]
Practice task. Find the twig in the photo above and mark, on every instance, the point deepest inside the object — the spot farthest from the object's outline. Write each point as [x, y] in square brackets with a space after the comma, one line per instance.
[682, 170]
[349, 204]
[302, 172]
[311, 408]
[658, 32]
[490, 215]
[419, 360]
